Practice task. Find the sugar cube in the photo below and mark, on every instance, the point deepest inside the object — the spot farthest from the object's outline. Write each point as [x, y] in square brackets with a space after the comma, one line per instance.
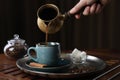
[78, 56]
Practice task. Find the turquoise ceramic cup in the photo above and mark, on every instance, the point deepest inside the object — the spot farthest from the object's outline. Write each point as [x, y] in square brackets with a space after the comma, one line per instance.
[45, 54]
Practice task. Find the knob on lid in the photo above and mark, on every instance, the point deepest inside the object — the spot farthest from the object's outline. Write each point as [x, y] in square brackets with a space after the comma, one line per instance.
[17, 40]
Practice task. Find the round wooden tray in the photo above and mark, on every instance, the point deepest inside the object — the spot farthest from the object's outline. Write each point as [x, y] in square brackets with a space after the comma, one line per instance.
[92, 65]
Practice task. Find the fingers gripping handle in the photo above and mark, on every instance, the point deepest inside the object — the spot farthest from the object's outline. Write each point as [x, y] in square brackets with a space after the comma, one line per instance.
[68, 14]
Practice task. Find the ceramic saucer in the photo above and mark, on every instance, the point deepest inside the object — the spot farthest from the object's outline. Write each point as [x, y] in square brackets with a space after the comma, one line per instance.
[62, 65]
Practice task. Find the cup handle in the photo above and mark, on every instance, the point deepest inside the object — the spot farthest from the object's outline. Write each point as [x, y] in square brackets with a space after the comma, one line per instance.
[32, 53]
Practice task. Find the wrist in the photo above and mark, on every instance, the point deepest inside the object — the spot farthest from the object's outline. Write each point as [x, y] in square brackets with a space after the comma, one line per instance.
[104, 2]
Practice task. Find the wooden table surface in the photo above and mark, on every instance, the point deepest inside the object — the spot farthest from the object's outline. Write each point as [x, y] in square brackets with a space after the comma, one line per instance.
[9, 70]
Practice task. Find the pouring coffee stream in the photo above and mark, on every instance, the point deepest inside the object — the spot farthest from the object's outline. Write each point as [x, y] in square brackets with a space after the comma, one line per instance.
[50, 20]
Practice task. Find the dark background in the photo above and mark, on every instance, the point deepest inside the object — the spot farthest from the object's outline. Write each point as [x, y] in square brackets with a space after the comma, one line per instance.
[100, 31]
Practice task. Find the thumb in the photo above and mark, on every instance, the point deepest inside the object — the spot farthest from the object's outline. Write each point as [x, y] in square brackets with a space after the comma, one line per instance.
[77, 8]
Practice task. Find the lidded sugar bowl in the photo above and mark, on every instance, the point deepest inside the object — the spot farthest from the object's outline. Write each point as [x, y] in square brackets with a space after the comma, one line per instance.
[16, 48]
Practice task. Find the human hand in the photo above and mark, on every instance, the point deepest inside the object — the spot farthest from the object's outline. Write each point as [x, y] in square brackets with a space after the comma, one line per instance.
[90, 7]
